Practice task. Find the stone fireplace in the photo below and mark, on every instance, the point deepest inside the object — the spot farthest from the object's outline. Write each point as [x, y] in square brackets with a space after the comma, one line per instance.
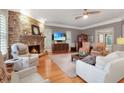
[35, 49]
[35, 42]
[19, 30]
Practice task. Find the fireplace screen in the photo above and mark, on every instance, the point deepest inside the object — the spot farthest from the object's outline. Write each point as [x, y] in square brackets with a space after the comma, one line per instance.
[34, 49]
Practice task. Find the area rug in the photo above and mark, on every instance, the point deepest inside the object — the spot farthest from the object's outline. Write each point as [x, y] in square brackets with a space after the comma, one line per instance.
[63, 61]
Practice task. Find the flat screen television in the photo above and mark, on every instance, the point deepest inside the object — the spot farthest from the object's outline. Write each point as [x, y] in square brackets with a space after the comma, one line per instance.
[59, 36]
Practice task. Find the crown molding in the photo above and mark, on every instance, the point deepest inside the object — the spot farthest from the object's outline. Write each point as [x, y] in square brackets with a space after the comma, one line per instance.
[64, 26]
[102, 23]
[78, 28]
[87, 27]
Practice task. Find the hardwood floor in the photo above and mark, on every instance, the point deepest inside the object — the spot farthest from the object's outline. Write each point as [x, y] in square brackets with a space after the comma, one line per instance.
[51, 71]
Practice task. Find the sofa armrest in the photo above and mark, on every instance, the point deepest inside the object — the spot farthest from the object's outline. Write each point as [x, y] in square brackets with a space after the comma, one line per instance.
[89, 72]
[115, 70]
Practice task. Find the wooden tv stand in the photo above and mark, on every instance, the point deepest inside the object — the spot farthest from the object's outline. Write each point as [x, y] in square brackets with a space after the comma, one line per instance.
[60, 48]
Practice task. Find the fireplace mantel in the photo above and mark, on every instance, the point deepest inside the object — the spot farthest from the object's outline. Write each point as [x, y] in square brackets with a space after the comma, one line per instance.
[32, 36]
[33, 40]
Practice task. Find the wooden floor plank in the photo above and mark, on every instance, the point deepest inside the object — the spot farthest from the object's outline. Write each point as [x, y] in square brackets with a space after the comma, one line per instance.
[51, 71]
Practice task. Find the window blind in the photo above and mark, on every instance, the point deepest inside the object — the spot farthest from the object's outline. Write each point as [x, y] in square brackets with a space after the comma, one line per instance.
[3, 34]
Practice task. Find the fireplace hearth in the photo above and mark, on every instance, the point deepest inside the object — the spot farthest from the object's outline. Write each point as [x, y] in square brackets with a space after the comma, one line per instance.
[35, 49]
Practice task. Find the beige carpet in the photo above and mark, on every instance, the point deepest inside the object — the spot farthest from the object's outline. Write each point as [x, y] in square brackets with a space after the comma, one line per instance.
[64, 63]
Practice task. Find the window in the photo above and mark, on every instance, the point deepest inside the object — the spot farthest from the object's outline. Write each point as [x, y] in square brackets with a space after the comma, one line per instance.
[101, 38]
[3, 34]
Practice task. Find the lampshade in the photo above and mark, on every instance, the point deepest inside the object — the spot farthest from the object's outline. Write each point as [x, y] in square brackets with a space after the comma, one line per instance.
[120, 41]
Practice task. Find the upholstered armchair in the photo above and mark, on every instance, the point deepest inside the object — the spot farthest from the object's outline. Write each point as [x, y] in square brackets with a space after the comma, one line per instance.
[99, 49]
[20, 50]
[85, 48]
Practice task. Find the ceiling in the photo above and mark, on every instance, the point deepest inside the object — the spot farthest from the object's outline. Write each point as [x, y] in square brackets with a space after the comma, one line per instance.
[66, 17]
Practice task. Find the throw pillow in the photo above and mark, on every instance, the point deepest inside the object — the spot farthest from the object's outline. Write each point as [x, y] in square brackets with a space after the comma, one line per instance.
[82, 53]
[112, 56]
[101, 62]
[23, 52]
[90, 59]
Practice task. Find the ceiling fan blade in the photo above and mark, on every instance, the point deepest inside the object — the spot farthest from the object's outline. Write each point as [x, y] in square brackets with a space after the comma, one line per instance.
[93, 12]
[78, 17]
[77, 14]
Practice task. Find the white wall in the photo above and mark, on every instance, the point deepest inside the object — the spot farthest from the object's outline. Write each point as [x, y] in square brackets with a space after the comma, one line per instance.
[70, 33]
[68, 38]
[48, 40]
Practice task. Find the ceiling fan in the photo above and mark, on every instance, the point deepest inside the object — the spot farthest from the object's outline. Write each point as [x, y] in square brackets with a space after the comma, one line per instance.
[86, 14]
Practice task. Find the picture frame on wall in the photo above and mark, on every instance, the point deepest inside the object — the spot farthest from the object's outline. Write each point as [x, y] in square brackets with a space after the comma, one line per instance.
[35, 30]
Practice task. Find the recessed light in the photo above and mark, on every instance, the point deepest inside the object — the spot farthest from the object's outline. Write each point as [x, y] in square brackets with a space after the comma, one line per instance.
[85, 16]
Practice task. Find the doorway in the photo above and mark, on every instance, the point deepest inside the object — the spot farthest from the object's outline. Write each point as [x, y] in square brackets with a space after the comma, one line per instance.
[105, 36]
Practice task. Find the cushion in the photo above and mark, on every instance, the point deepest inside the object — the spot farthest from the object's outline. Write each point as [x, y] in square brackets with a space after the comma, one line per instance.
[89, 59]
[121, 53]
[82, 53]
[21, 46]
[101, 62]
[22, 52]
[112, 56]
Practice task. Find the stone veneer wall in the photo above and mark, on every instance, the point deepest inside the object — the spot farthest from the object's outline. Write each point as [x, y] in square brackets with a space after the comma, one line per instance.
[18, 25]
[33, 40]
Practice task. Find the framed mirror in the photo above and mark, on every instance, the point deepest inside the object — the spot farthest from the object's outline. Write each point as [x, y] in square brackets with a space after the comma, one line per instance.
[35, 30]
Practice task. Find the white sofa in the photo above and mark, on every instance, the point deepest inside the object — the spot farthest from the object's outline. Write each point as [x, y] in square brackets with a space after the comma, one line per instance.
[108, 69]
[28, 75]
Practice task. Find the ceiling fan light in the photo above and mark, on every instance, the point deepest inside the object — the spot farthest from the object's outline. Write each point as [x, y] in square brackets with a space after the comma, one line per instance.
[85, 16]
